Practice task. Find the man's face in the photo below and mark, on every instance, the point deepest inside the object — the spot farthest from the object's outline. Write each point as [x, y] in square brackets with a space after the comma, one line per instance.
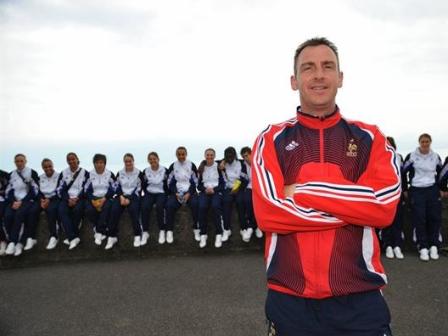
[247, 157]
[20, 162]
[48, 169]
[72, 162]
[317, 79]
[181, 155]
[425, 144]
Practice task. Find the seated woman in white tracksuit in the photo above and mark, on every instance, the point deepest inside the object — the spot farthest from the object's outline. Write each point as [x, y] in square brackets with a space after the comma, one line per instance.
[21, 193]
[100, 189]
[48, 201]
[210, 185]
[70, 190]
[392, 236]
[235, 177]
[4, 176]
[420, 172]
[246, 154]
[128, 191]
[182, 181]
[156, 189]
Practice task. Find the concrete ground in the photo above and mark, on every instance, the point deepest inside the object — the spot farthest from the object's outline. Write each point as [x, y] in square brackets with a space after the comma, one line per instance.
[203, 294]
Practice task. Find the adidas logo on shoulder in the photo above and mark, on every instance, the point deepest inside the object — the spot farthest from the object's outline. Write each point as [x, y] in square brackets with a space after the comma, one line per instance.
[292, 145]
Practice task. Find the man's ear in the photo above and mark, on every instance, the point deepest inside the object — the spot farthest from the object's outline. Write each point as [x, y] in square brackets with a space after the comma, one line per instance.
[294, 83]
[341, 79]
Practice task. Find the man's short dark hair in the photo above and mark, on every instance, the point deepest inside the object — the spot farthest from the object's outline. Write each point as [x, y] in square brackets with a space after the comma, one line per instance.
[99, 157]
[314, 42]
[245, 150]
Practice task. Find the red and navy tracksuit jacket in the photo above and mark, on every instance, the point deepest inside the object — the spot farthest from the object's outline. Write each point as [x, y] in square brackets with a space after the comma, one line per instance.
[321, 242]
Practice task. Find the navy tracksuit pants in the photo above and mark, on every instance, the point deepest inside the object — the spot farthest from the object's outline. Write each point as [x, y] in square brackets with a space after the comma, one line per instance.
[359, 314]
[116, 212]
[2, 215]
[228, 199]
[14, 219]
[426, 215]
[393, 234]
[215, 202]
[71, 218]
[172, 205]
[52, 218]
[147, 204]
[249, 209]
[99, 219]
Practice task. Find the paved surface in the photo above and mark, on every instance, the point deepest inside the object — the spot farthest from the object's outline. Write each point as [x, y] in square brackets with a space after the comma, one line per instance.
[188, 295]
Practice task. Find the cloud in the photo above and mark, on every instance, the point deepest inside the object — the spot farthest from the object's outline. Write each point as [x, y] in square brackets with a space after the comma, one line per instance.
[40, 14]
[404, 11]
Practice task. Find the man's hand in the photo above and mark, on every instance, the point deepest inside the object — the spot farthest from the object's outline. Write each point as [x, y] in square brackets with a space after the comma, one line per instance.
[44, 203]
[209, 191]
[124, 201]
[405, 195]
[72, 202]
[289, 190]
[186, 197]
[16, 205]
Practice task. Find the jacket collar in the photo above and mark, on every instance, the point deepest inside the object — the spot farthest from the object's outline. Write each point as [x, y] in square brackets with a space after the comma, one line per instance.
[311, 121]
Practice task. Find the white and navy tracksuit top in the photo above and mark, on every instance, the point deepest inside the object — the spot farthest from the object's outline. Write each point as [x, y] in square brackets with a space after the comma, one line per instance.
[4, 176]
[48, 185]
[235, 171]
[77, 187]
[129, 184]
[182, 177]
[100, 185]
[211, 177]
[422, 168]
[155, 180]
[25, 189]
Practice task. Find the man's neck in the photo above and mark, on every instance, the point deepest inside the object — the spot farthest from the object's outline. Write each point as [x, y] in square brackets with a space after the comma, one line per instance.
[319, 112]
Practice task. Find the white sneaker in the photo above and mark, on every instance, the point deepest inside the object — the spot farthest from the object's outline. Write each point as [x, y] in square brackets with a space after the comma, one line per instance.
[169, 237]
[3, 248]
[226, 235]
[398, 253]
[30, 242]
[66, 241]
[137, 241]
[10, 249]
[246, 236]
[144, 239]
[111, 241]
[424, 254]
[98, 238]
[75, 242]
[434, 253]
[52, 243]
[18, 250]
[162, 237]
[258, 233]
[103, 237]
[197, 235]
[203, 241]
[389, 252]
[218, 241]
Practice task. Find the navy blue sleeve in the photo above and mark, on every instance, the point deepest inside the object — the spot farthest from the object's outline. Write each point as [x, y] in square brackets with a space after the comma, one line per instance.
[443, 176]
[222, 183]
[171, 180]
[193, 179]
[407, 173]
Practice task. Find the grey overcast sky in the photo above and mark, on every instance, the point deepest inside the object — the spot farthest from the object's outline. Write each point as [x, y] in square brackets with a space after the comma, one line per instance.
[98, 71]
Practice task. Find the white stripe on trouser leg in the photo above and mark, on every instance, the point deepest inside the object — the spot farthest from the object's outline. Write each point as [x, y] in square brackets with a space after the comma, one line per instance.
[272, 247]
[367, 251]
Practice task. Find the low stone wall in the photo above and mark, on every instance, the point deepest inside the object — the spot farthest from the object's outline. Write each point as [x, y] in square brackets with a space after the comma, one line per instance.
[184, 242]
